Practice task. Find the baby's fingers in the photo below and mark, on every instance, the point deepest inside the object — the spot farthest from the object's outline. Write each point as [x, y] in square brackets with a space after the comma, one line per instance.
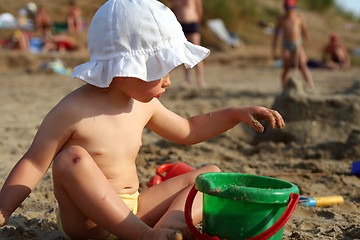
[277, 120]
[257, 125]
[274, 118]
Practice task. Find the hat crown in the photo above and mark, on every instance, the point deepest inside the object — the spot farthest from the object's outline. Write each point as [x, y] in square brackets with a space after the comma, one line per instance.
[130, 27]
[138, 39]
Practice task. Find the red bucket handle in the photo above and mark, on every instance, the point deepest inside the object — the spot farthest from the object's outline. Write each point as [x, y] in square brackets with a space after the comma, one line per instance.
[293, 200]
[163, 168]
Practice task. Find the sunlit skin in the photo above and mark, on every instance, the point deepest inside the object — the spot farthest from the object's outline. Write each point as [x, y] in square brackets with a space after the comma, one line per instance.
[92, 138]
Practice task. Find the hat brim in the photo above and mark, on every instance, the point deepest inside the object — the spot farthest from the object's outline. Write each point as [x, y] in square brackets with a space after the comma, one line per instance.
[146, 66]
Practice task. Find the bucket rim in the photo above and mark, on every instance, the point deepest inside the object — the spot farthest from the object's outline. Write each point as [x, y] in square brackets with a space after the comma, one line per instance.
[274, 191]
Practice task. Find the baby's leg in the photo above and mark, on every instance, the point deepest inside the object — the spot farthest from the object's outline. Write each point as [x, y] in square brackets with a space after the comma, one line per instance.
[163, 205]
[84, 193]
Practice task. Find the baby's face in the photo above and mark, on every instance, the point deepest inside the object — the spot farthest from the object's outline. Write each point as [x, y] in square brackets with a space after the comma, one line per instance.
[141, 90]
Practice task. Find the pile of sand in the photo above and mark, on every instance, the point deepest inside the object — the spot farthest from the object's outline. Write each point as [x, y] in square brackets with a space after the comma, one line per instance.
[324, 121]
[314, 151]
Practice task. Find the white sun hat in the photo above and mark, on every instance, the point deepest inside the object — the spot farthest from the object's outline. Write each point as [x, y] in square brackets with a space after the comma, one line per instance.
[135, 38]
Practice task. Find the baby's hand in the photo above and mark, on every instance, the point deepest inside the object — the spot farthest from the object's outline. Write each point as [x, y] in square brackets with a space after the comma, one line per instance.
[252, 116]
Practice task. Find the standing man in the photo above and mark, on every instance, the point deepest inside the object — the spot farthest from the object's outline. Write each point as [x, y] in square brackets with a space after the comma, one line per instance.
[189, 14]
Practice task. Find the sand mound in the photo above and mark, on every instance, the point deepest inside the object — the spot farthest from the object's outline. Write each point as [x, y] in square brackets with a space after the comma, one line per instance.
[321, 119]
[318, 168]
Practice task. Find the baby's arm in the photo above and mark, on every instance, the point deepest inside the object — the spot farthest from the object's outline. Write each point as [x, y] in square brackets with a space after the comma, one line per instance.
[206, 126]
[32, 166]
[22, 179]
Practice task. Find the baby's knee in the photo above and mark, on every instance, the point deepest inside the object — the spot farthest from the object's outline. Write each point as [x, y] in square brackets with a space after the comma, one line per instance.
[210, 168]
[202, 170]
[68, 157]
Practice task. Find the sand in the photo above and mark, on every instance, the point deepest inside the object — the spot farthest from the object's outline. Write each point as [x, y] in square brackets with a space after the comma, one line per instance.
[315, 150]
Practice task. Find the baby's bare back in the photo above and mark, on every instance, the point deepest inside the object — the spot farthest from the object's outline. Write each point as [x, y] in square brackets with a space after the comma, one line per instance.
[110, 132]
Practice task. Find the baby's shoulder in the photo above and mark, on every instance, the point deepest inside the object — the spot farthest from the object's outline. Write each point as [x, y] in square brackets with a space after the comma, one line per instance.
[72, 104]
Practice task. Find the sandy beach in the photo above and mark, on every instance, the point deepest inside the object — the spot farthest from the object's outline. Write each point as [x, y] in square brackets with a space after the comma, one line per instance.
[314, 151]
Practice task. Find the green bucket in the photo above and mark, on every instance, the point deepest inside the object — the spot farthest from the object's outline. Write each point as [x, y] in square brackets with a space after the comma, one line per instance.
[242, 206]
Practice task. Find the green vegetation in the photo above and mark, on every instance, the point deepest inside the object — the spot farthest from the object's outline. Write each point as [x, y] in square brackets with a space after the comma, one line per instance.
[231, 11]
[318, 5]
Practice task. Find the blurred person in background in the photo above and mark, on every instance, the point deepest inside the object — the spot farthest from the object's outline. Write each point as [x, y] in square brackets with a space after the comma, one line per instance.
[74, 19]
[43, 22]
[339, 57]
[189, 14]
[293, 53]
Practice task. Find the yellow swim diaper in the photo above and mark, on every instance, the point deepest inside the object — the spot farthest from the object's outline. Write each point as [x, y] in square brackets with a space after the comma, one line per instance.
[131, 200]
